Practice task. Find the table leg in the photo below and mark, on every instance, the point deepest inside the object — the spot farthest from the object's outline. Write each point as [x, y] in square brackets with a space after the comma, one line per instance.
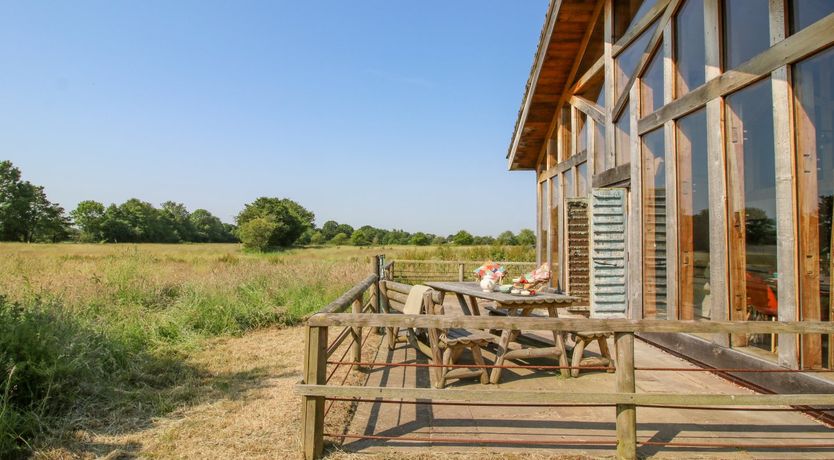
[463, 305]
[559, 341]
[474, 302]
[503, 347]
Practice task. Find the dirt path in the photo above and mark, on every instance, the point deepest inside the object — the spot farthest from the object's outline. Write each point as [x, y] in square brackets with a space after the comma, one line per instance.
[246, 408]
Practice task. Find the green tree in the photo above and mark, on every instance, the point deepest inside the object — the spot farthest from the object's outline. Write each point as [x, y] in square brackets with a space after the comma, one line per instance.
[329, 230]
[507, 239]
[317, 238]
[177, 218]
[420, 239]
[361, 237]
[438, 240]
[463, 238]
[526, 237]
[340, 239]
[25, 212]
[291, 219]
[345, 228]
[89, 218]
[208, 228]
[257, 233]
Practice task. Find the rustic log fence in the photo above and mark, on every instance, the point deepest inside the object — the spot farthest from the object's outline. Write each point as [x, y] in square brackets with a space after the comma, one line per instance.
[417, 271]
[371, 314]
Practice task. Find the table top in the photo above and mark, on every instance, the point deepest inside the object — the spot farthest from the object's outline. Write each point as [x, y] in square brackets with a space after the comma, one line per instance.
[473, 289]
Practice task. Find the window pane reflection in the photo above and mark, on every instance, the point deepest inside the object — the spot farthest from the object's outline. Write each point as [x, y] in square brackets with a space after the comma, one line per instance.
[651, 87]
[752, 182]
[654, 225]
[556, 205]
[628, 59]
[814, 89]
[689, 47]
[746, 30]
[622, 138]
[693, 217]
[806, 12]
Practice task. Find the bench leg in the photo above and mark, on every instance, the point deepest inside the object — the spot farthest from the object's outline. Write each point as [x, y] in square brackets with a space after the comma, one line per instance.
[447, 359]
[559, 341]
[503, 347]
[479, 360]
[603, 350]
[578, 351]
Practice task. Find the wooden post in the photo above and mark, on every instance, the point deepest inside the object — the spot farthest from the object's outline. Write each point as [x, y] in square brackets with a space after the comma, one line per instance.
[460, 272]
[312, 407]
[626, 413]
[377, 301]
[356, 332]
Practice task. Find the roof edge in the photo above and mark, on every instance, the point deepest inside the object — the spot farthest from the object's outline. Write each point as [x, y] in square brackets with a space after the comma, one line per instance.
[535, 70]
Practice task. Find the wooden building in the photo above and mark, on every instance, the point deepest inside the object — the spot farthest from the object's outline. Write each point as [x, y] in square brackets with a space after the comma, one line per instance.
[684, 155]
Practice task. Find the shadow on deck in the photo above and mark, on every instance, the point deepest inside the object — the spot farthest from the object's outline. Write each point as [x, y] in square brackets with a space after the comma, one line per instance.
[575, 430]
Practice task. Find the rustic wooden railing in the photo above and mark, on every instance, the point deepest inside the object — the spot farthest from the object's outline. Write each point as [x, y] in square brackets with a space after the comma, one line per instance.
[415, 271]
[315, 391]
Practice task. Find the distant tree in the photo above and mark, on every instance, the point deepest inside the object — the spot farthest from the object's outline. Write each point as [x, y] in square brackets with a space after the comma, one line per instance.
[345, 228]
[291, 219]
[305, 237]
[89, 218]
[340, 239]
[507, 239]
[317, 238]
[419, 239]
[209, 229]
[177, 218]
[257, 233]
[362, 237]
[482, 240]
[329, 230]
[25, 212]
[438, 240]
[463, 238]
[526, 237]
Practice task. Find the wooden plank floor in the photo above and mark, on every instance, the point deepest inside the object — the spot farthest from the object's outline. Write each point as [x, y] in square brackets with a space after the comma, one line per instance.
[562, 424]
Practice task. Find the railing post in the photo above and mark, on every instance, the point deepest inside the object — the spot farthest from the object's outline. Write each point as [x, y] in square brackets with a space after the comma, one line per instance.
[356, 332]
[626, 413]
[460, 272]
[312, 407]
[377, 301]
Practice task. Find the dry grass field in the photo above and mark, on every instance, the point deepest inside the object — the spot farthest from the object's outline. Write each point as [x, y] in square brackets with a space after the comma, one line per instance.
[164, 351]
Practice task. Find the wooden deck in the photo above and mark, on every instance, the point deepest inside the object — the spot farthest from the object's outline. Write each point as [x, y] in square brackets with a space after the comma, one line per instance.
[441, 426]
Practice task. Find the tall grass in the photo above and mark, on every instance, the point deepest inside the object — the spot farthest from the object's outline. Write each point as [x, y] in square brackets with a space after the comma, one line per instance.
[100, 332]
[97, 336]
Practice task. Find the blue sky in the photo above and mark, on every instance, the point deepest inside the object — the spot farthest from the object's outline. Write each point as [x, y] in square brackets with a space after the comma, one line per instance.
[393, 114]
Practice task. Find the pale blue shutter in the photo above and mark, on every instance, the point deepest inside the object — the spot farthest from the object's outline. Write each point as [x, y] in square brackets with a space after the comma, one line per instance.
[608, 251]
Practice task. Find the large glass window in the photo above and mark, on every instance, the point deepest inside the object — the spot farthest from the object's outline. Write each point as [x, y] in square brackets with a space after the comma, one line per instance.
[622, 138]
[746, 30]
[814, 90]
[690, 51]
[654, 225]
[544, 214]
[651, 86]
[628, 59]
[752, 184]
[555, 253]
[627, 13]
[599, 138]
[693, 217]
[570, 191]
[806, 12]
[582, 132]
[582, 188]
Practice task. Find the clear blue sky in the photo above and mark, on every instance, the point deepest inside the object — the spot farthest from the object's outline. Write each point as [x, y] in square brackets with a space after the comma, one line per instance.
[388, 113]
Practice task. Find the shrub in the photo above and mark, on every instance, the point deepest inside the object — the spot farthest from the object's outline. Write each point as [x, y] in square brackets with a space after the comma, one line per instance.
[256, 233]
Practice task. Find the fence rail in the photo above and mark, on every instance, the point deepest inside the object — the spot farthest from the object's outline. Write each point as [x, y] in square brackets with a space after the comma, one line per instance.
[315, 391]
[415, 270]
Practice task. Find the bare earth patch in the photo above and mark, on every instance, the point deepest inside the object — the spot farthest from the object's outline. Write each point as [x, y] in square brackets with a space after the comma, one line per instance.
[246, 409]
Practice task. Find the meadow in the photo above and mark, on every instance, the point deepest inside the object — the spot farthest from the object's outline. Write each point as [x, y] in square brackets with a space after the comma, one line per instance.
[106, 339]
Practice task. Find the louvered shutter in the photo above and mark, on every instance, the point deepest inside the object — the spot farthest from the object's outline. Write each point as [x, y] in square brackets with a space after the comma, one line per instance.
[578, 239]
[608, 252]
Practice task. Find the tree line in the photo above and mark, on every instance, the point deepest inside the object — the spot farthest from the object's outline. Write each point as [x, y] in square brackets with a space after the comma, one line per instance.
[27, 215]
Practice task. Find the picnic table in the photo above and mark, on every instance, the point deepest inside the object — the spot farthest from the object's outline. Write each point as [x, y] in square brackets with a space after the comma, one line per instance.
[515, 305]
